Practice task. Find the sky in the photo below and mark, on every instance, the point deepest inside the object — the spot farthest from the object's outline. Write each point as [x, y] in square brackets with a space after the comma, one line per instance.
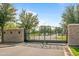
[48, 13]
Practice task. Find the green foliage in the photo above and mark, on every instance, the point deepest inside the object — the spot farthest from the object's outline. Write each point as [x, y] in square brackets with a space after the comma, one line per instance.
[28, 20]
[10, 25]
[7, 13]
[45, 29]
[75, 50]
[70, 16]
[58, 29]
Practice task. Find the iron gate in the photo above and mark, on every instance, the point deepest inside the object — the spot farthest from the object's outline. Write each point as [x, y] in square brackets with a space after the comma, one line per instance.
[46, 34]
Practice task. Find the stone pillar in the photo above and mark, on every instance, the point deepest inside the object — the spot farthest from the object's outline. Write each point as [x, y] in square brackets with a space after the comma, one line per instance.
[73, 34]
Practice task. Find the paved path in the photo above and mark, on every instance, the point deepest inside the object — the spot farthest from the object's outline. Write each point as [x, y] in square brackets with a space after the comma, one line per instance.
[33, 49]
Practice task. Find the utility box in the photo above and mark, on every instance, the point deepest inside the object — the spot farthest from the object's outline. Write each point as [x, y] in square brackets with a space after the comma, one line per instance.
[14, 35]
[73, 34]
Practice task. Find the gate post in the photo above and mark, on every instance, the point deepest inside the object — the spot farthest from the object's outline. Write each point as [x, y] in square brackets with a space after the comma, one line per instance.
[44, 34]
[73, 34]
[24, 35]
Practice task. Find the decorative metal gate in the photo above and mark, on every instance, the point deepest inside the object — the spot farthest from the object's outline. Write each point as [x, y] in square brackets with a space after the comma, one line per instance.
[46, 34]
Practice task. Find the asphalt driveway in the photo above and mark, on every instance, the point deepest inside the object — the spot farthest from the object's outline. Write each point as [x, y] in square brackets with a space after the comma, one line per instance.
[33, 49]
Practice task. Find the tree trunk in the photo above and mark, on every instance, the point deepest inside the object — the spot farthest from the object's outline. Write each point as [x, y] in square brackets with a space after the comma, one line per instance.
[28, 34]
[66, 33]
[2, 31]
[24, 35]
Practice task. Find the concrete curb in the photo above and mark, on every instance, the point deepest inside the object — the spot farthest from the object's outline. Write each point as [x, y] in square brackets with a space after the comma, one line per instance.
[70, 51]
[67, 51]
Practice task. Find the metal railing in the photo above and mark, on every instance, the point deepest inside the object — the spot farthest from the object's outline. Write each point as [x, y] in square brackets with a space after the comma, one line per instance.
[49, 34]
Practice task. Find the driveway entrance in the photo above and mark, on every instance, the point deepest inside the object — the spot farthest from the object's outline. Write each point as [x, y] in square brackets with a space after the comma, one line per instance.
[31, 49]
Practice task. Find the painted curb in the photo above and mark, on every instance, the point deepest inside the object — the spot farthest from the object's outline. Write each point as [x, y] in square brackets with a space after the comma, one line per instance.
[70, 51]
[66, 53]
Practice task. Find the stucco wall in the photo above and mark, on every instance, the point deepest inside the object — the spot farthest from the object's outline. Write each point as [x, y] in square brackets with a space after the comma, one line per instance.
[73, 34]
[14, 35]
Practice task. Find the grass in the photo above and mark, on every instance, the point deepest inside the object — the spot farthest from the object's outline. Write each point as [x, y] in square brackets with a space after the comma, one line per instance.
[75, 50]
[58, 37]
[34, 34]
[61, 37]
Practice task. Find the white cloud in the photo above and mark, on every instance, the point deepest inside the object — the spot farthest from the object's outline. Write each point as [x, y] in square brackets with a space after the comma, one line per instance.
[30, 11]
[27, 10]
[45, 22]
[48, 22]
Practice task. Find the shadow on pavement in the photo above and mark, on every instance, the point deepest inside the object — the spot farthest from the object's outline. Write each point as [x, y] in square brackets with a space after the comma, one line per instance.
[4, 45]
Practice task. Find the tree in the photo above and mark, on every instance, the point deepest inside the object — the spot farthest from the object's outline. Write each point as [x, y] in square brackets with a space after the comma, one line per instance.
[58, 30]
[7, 13]
[28, 21]
[10, 25]
[45, 29]
[71, 15]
